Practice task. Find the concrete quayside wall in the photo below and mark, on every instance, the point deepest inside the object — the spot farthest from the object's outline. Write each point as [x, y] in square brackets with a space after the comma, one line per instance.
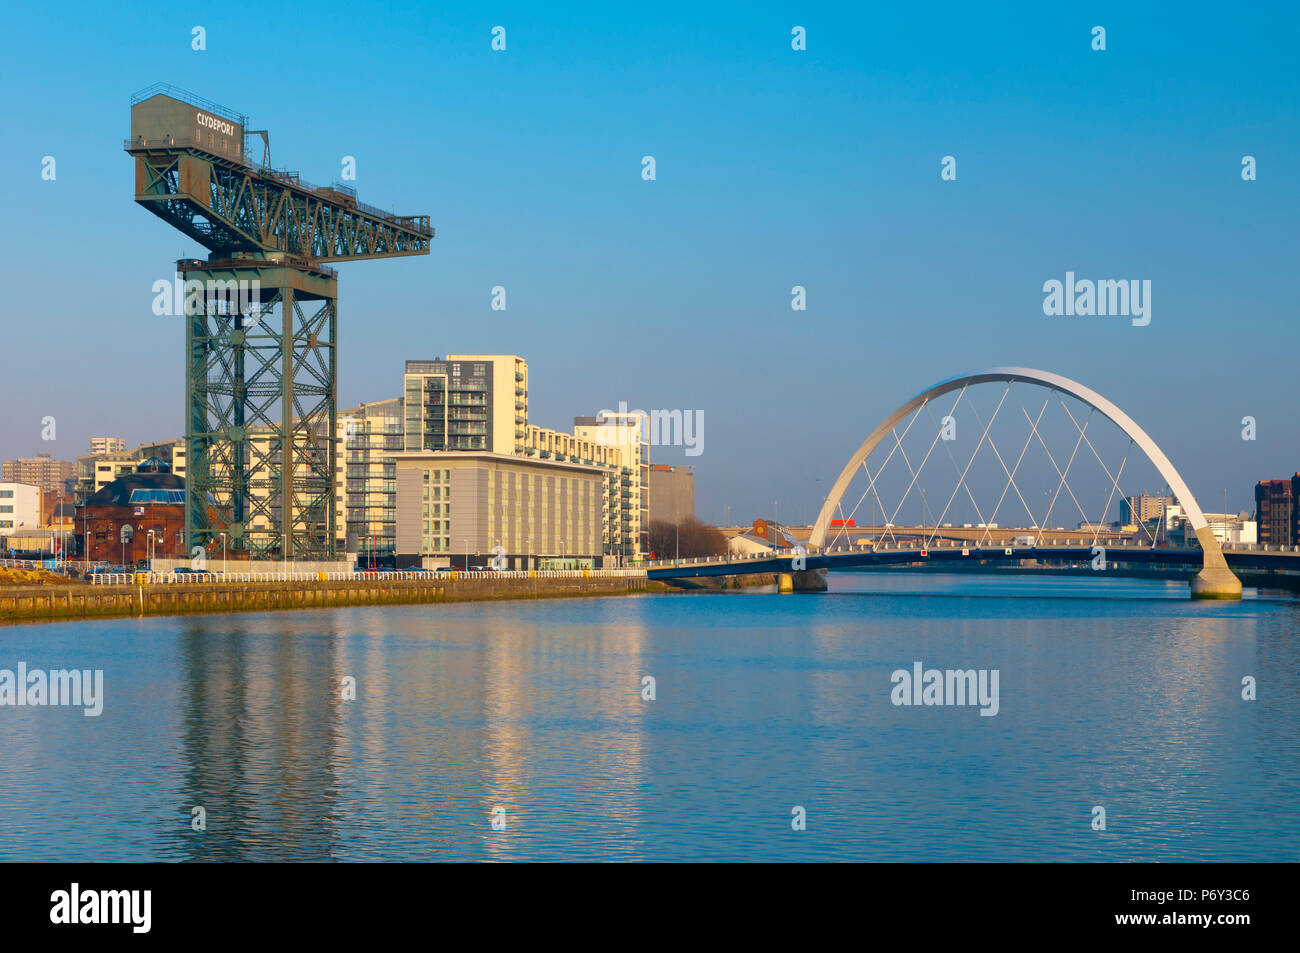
[79, 601]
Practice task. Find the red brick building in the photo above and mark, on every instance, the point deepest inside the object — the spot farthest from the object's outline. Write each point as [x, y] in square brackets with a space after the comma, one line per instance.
[119, 519]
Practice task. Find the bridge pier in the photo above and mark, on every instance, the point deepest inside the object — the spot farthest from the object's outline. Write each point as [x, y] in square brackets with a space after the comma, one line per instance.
[805, 580]
[1215, 580]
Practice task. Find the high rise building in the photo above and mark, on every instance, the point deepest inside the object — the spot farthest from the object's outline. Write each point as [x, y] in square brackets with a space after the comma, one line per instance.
[629, 518]
[466, 402]
[477, 404]
[41, 471]
[1138, 509]
[365, 497]
[102, 445]
[613, 444]
[1275, 511]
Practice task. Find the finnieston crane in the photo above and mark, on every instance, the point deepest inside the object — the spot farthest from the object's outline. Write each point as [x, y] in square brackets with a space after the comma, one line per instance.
[260, 384]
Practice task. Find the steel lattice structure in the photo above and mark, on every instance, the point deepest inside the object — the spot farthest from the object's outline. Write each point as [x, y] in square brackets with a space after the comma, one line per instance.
[261, 318]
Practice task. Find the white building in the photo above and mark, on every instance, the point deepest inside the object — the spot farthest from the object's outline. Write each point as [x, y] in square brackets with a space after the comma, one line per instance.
[1232, 527]
[20, 508]
[1227, 528]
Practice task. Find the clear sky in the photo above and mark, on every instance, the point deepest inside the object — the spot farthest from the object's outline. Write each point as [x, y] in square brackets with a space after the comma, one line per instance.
[774, 167]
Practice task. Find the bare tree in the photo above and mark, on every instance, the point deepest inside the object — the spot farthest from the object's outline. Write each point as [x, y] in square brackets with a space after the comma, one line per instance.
[688, 539]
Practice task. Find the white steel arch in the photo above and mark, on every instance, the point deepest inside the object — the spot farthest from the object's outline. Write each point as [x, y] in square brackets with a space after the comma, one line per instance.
[1042, 379]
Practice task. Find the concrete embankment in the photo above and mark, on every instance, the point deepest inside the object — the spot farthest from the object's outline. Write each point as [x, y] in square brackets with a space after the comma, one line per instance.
[720, 583]
[78, 601]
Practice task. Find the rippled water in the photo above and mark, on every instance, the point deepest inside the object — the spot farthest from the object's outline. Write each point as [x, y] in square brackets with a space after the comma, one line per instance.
[1123, 694]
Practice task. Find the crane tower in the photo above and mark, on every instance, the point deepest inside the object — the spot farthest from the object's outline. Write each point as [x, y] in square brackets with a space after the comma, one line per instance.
[260, 315]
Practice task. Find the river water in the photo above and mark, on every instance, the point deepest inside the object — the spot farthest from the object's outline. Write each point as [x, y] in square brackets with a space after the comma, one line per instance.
[519, 730]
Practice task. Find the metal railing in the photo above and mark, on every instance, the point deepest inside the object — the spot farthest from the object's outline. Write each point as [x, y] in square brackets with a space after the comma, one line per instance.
[416, 575]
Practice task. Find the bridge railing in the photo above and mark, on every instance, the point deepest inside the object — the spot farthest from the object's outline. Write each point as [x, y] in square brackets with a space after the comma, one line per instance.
[144, 578]
[904, 545]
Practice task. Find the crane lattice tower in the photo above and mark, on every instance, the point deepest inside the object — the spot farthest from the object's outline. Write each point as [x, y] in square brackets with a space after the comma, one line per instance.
[261, 315]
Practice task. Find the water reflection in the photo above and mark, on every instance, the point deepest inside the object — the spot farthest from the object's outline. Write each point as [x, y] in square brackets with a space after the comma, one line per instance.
[260, 728]
[1121, 695]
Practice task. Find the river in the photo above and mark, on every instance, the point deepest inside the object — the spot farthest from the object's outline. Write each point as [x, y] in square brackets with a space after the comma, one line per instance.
[521, 730]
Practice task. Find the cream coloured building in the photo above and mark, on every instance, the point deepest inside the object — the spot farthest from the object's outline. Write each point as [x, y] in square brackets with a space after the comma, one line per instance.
[614, 444]
[365, 488]
[466, 402]
[463, 508]
[96, 470]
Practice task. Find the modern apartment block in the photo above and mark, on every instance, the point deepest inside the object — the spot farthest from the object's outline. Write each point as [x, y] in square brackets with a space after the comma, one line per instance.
[365, 497]
[41, 471]
[628, 521]
[466, 402]
[469, 508]
[616, 451]
[473, 407]
[103, 445]
[1138, 509]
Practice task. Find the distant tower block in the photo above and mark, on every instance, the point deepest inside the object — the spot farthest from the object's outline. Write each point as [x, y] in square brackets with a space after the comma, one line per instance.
[261, 316]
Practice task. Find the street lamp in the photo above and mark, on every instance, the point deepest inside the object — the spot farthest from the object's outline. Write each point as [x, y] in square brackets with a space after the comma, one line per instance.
[223, 554]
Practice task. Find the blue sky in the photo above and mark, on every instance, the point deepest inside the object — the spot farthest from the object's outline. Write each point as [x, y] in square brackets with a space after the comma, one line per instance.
[775, 168]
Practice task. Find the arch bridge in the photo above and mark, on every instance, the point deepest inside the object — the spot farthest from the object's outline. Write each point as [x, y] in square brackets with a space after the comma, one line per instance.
[831, 545]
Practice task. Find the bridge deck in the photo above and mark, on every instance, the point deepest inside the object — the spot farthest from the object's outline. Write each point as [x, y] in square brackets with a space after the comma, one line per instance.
[901, 554]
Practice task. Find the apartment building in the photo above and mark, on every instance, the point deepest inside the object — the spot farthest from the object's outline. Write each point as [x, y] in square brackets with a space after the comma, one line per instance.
[1139, 509]
[365, 497]
[469, 508]
[41, 471]
[466, 402]
[102, 445]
